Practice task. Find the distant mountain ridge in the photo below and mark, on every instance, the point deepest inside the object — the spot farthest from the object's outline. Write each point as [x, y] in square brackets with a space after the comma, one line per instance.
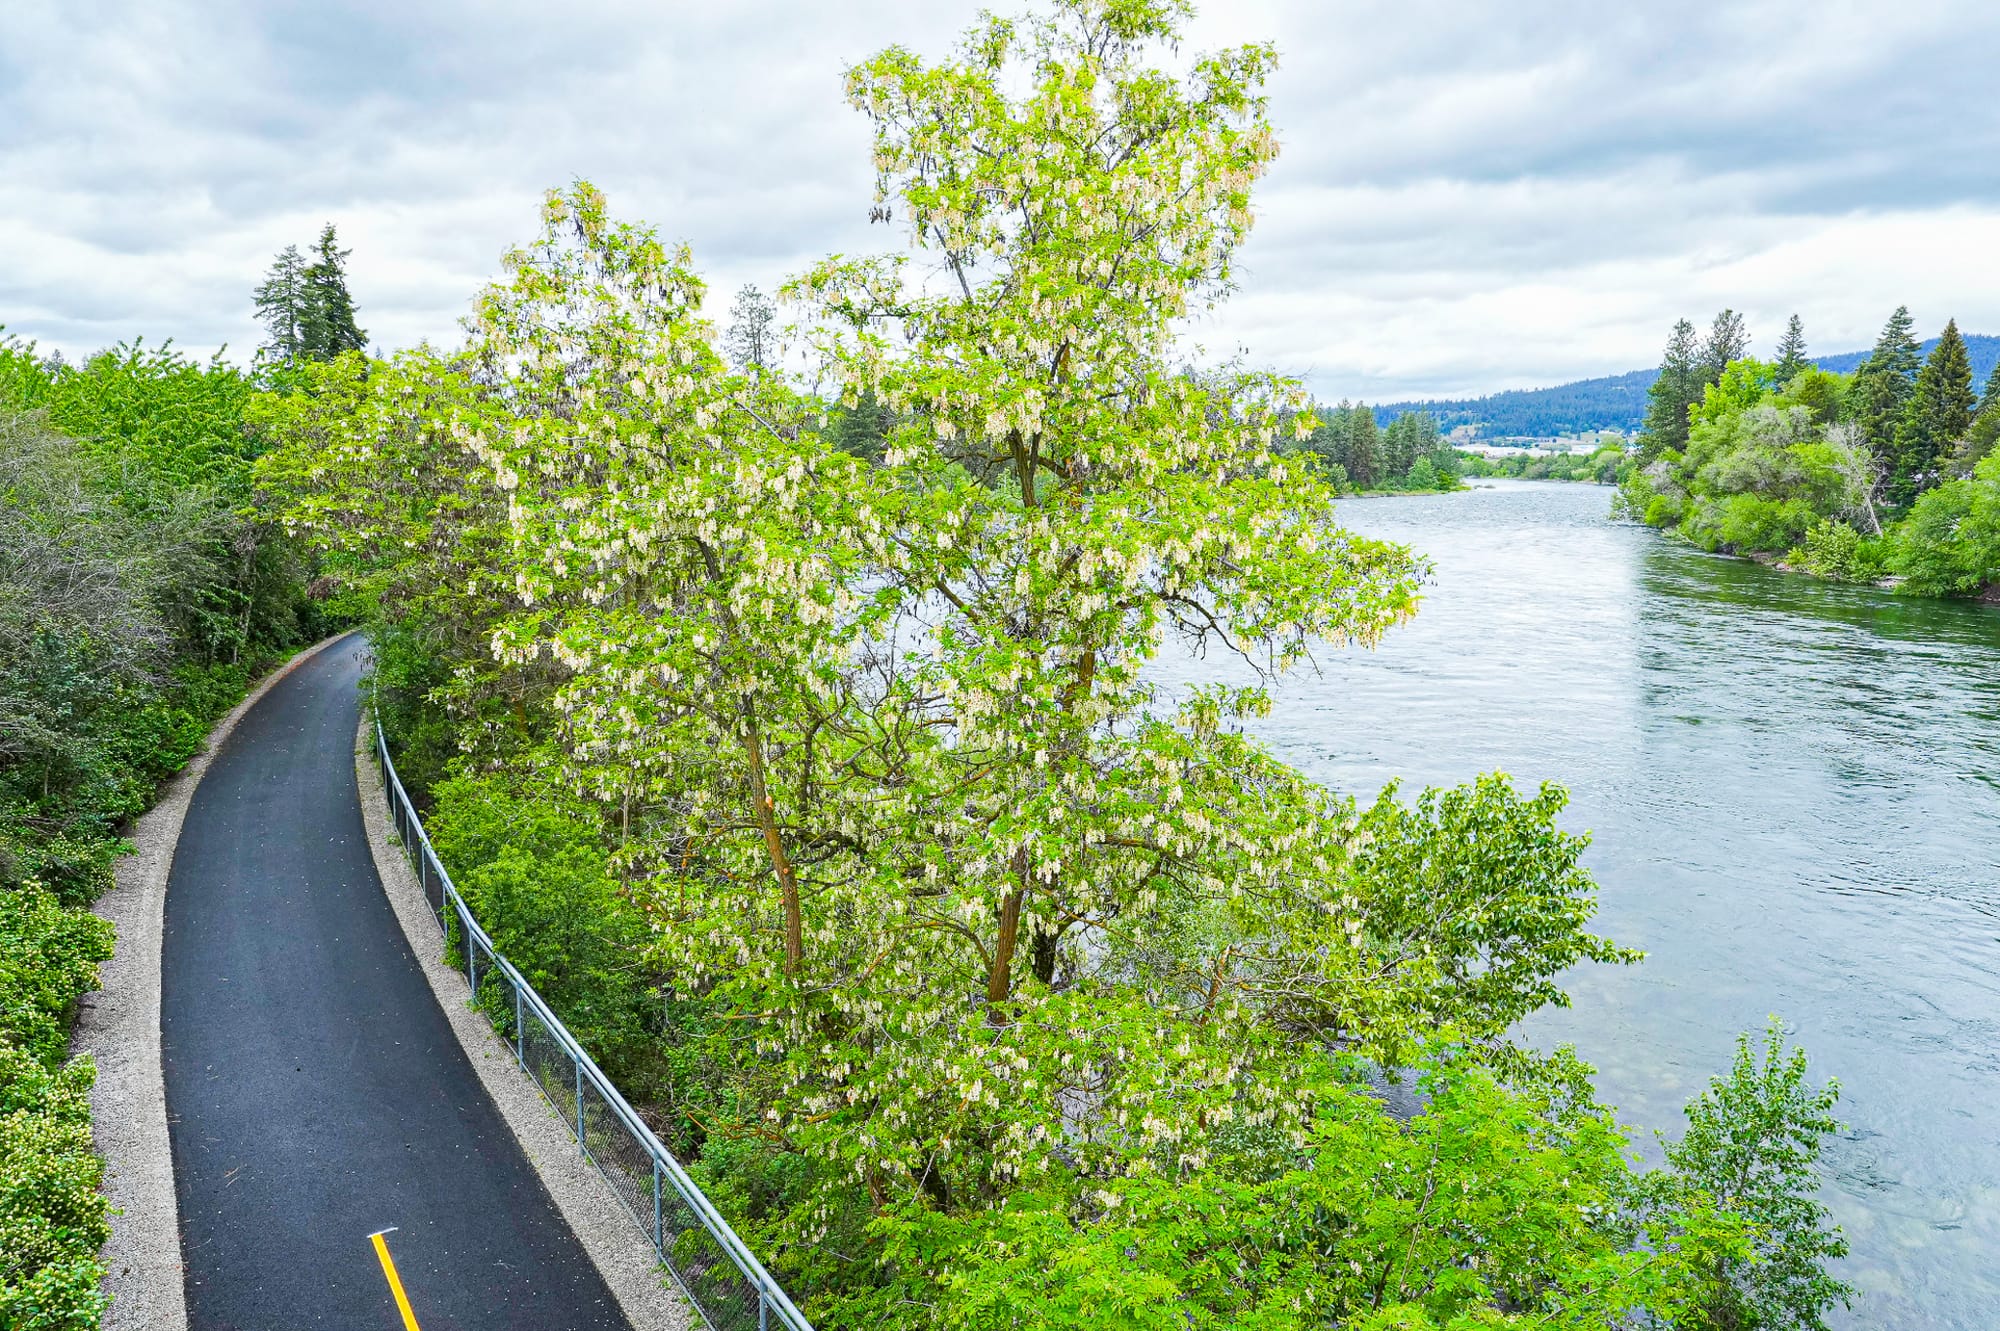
[1614, 402]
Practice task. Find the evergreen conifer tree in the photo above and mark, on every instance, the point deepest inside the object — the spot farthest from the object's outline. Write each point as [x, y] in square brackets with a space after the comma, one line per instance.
[281, 305]
[1727, 340]
[749, 341]
[329, 327]
[1882, 386]
[1937, 416]
[1399, 448]
[1896, 349]
[1329, 438]
[863, 429]
[1792, 350]
[1667, 401]
[1990, 399]
[1429, 442]
[1364, 449]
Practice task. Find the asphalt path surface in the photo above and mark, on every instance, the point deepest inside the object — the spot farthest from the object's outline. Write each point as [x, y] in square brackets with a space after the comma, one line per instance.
[315, 1094]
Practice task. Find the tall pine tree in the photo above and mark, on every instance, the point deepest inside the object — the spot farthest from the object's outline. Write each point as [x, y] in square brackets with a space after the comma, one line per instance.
[863, 429]
[1897, 348]
[1882, 387]
[1727, 340]
[281, 305]
[305, 306]
[1667, 401]
[750, 341]
[1363, 454]
[329, 325]
[1938, 415]
[1399, 448]
[1792, 350]
[1991, 398]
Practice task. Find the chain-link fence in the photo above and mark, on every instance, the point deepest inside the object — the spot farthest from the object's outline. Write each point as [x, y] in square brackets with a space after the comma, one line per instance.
[726, 1284]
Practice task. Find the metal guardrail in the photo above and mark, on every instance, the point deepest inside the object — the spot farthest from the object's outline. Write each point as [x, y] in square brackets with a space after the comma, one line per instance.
[722, 1279]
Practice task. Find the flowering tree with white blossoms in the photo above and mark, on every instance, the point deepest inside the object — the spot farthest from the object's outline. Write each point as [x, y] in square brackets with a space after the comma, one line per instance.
[1082, 930]
[1026, 993]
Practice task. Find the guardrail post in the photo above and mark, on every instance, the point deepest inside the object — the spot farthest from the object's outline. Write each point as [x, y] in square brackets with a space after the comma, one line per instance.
[659, 1227]
[763, 1310]
[520, 1027]
[579, 1103]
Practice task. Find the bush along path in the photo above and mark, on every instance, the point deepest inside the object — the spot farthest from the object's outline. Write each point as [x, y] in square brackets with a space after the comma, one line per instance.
[316, 1095]
[139, 595]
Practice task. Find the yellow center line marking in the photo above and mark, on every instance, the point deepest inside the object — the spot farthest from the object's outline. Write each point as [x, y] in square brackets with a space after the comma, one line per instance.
[395, 1281]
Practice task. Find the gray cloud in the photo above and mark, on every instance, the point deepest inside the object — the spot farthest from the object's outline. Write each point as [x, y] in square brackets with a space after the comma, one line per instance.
[1471, 196]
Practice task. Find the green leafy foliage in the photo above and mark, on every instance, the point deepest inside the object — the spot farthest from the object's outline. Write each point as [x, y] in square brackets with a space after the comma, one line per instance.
[1476, 902]
[138, 595]
[52, 1217]
[1752, 1146]
[1373, 1221]
[1849, 478]
[808, 747]
[536, 876]
[48, 956]
[1950, 543]
[1835, 551]
[1603, 465]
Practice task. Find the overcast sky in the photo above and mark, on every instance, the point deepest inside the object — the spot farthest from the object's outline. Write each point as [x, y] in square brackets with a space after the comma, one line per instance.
[1472, 195]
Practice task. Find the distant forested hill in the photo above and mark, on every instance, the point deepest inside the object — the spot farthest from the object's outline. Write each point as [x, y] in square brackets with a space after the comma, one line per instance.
[1616, 402]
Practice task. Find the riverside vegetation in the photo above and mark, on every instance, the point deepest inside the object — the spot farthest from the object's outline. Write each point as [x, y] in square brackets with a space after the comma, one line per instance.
[1889, 472]
[1355, 455]
[140, 594]
[792, 729]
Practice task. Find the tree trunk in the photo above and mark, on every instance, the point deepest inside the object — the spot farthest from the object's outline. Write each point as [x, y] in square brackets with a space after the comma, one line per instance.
[1045, 955]
[767, 819]
[1000, 973]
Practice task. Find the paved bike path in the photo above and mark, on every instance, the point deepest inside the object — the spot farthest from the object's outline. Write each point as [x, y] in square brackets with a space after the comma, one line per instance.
[315, 1094]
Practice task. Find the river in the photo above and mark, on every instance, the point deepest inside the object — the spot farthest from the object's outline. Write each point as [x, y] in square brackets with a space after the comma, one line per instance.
[1793, 793]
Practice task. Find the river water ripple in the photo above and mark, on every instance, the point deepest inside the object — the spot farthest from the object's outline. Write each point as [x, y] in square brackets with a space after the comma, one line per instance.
[1793, 791]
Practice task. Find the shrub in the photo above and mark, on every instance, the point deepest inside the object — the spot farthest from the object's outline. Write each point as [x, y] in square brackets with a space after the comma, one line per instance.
[530, 862]
[1750, 522]
[48, 956]
[1752, 1146]
[1949, 545]
[53, 1219]
[1836, 551]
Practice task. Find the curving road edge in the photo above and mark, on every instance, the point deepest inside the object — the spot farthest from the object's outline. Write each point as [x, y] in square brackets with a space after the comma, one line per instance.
[622, 1255]
[119, 1026]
